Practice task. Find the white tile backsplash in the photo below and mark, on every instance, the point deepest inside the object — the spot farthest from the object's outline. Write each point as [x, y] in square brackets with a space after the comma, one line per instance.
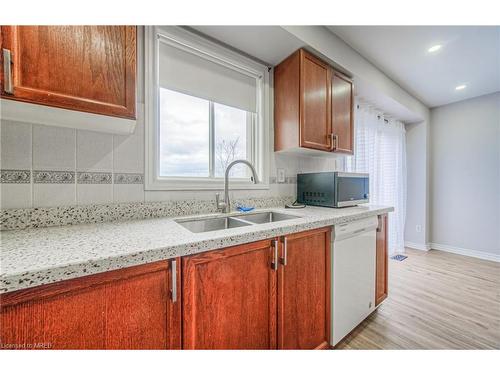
[158, 196]
[94, 193]
[54, 148]
[128, 151]
[288, 162]
[318, 164]
[49, 195]
[15, 145]
[128, 193]
[15, 196]
[94, 151]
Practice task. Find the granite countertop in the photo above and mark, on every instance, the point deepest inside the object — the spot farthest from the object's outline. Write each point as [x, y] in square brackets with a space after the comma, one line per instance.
[33, 257]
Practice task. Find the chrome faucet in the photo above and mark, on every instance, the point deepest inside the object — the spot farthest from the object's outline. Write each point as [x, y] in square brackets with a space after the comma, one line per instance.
[226, 205]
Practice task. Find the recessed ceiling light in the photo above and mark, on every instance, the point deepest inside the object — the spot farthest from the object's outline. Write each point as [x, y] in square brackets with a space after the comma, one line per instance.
[460, 87]
[435, 48]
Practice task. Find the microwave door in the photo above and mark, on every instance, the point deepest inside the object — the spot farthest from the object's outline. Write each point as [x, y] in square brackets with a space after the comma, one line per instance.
[352, 191]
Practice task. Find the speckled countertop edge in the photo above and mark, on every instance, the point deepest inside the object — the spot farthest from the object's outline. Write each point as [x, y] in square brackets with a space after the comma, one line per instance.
[36, 257]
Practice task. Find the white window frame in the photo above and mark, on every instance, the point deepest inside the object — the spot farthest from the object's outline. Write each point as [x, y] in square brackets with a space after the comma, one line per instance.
[181, 38]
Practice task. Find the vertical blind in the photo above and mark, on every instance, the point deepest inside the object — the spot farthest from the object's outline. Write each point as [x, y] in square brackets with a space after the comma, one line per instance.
[189, 73]
[380, 150]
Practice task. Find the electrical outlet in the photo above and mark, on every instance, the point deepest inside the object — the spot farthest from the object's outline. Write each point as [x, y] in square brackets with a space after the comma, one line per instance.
[418, 228]
[281, 175]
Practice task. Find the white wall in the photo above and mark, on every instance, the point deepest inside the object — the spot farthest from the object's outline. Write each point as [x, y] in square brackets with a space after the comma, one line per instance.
[465, 175]
[416, 230]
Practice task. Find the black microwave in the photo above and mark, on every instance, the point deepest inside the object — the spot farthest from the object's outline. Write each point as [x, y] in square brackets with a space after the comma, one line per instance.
[332, 189]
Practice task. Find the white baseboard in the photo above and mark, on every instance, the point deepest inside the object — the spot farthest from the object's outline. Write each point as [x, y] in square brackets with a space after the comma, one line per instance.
[467, 252]
[417, 246]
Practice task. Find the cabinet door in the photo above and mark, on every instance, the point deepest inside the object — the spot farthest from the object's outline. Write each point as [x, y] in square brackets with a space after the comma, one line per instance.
[315, 103]
[83, 68]
[304, 290]
[125, 309]
[382, 259]
[342, 114]
[229, 298]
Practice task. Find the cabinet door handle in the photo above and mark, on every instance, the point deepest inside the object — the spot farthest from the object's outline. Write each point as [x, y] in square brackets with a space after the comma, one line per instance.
[380, 226]
[334, 140]
[173, 291]
[284, 260]
[275, 255]
[7, 71]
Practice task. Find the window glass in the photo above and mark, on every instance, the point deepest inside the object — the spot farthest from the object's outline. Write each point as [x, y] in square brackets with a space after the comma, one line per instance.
[231, 141]
[184, 135]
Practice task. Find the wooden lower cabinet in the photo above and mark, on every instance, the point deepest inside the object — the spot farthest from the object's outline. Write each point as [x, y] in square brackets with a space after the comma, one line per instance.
[381, 290]
[125, 309]
[304, 290]
[229, 298]
[236, 298]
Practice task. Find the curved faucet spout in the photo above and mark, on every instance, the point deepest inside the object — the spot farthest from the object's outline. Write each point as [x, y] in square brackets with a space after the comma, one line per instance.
[226, 205]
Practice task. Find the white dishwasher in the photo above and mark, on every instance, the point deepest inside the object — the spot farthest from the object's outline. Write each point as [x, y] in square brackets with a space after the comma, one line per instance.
[353, 275]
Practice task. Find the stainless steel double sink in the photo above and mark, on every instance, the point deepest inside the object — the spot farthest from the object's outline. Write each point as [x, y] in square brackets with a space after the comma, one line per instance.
[200, 225]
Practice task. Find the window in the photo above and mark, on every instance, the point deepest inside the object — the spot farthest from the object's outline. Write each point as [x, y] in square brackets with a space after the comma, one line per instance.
[205, 107]
[199, 138]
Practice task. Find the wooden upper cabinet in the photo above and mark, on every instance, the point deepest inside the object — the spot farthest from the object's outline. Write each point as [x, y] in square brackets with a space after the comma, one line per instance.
[314, 103]
[342, 113]
[381, 290]
[229, 298]
[304, 290]
[302, 103]
[130, 308]
[83, 68]
[312, 106]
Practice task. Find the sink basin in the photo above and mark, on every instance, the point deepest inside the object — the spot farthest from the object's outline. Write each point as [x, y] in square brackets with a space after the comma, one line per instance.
[266, 217]
[218, 223]
[211, 224]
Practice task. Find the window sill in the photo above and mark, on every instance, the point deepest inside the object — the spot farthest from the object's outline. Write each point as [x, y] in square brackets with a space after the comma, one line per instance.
[193, 185]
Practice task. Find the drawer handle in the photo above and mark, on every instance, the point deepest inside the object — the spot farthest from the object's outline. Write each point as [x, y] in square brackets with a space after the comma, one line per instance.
[284, 260]
[173, 291]
[334, 141]
[275, 255]
[7, 71]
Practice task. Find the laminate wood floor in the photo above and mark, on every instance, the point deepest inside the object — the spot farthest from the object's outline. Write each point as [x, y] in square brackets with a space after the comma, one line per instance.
[437, 300]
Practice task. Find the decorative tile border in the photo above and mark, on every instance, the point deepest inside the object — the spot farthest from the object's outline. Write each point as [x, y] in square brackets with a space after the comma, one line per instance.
[40, 217]
[128, 178]
[94, 177]
[15, 176]
[68, 177]
[53, 177]
[20, 176]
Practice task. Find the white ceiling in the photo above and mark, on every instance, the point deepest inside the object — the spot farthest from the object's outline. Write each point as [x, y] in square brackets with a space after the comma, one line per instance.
[470, 55]
[270, 44]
